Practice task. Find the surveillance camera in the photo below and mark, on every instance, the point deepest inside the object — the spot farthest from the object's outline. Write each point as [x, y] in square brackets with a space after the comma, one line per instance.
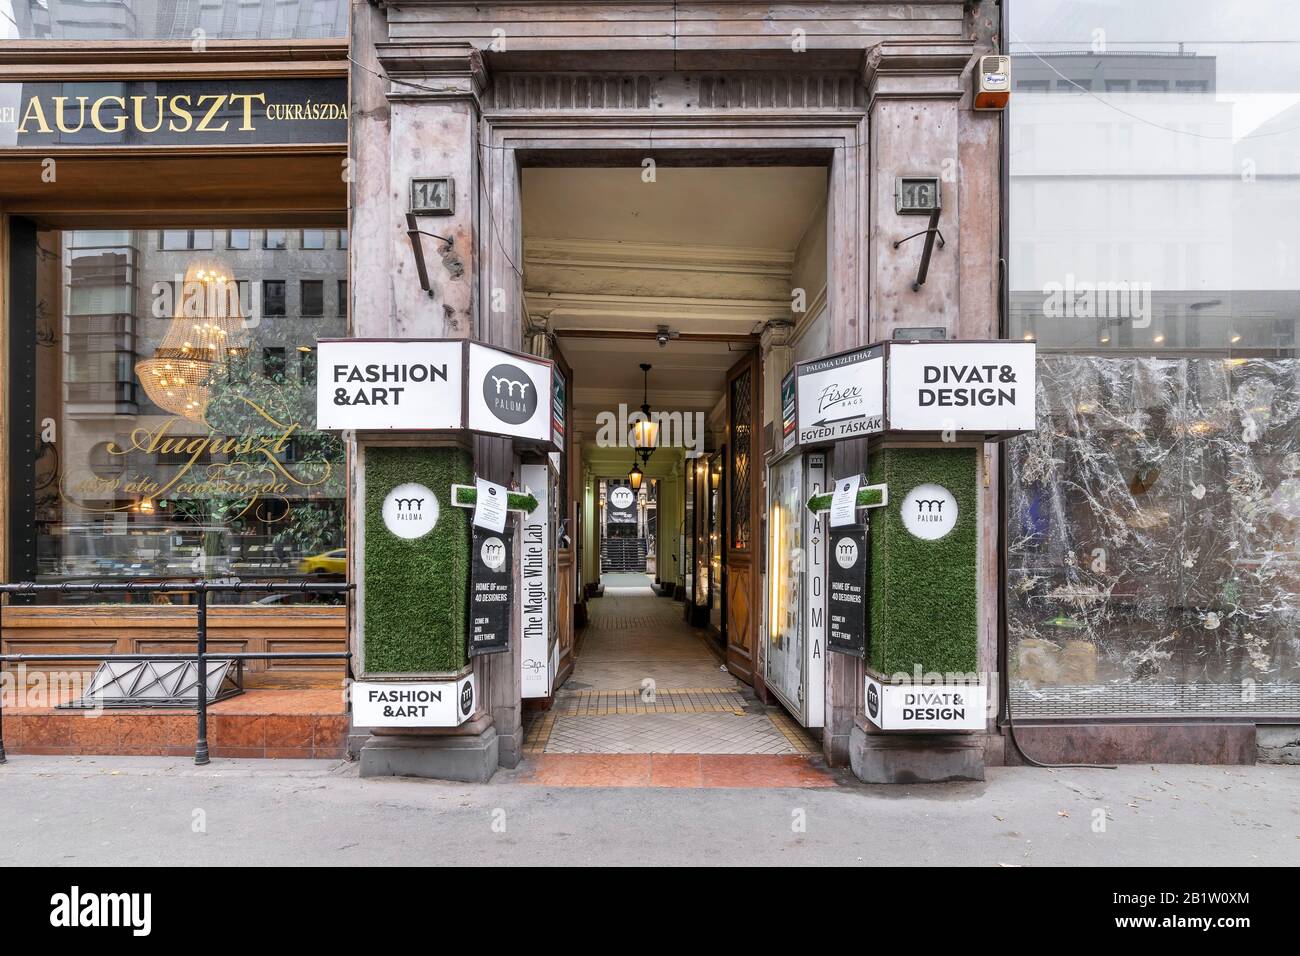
[662, 338]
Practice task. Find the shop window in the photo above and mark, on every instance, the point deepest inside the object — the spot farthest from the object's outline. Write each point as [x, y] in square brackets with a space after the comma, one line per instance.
[1153, 520]
[152, 444]
[313, 239]
[273, 305]
[742, 423]
[312, 292]
[275, 239]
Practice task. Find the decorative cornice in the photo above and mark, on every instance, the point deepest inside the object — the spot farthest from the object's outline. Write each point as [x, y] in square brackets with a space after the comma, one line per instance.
[433, 71]
[912, 71]
[624, 312]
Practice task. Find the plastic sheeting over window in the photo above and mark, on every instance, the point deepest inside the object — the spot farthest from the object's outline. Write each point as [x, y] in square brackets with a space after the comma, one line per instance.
[1153, 531]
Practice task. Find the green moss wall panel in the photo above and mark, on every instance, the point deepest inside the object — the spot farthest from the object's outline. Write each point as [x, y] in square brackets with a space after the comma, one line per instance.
[415, 590]
[924, 594]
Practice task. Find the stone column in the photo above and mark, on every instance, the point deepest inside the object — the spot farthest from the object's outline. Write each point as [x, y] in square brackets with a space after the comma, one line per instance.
[778, 358]
[415, 115]
[920, 124]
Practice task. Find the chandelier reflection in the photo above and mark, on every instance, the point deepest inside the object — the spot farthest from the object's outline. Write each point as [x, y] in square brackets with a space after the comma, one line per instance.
[206, 331]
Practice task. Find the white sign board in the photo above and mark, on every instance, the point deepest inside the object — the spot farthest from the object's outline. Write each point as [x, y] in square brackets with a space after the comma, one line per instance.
[534, 583]
[841, 396]
[407, 385]
[814, 679]
[509, 394]
[926, 706]
[962, 386]
[410, 510]
[446, 703]
[844, 501]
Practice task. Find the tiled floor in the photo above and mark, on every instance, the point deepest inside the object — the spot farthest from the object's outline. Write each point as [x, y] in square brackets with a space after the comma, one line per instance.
[647, 683]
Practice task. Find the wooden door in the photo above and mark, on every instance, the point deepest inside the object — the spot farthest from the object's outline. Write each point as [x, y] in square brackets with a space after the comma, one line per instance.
[744, 517]
[567, 492]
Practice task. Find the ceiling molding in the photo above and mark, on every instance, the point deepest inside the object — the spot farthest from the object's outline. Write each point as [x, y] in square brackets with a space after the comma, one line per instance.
[632, 312]
[657, 256]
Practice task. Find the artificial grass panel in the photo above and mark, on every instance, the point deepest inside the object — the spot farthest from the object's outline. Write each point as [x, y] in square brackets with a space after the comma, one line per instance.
[865, 499]
[924, 595]
[416, 590]
[514, 500]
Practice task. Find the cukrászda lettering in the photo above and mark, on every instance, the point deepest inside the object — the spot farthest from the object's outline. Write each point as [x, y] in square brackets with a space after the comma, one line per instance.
[395, 378]
[968, 385]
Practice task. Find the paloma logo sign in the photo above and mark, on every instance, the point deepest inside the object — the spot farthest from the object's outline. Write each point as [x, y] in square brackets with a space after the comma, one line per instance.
[510, 394]
[929, 511]
[410, 511]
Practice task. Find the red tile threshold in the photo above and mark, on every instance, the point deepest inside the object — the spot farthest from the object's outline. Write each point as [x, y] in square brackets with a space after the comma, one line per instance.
[675, 770]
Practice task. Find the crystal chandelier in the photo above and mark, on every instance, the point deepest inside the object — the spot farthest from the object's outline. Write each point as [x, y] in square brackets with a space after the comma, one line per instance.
[207, 328]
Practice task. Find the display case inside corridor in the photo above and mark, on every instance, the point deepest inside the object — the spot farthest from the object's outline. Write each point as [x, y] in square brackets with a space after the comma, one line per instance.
[795, 585]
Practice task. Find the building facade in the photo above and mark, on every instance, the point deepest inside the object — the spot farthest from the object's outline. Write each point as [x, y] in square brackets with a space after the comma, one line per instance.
[712, 192]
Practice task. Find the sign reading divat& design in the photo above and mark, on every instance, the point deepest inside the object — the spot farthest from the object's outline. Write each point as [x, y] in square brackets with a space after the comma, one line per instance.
[984, 387]
[228, 112]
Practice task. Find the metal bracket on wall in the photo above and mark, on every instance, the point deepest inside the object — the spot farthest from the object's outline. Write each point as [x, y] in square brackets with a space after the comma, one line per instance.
[414, 232]
[929, 232]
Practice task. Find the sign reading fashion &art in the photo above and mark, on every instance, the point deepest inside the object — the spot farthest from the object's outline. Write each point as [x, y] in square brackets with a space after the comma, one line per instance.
[228, 112]
[432, 384]
[406, 704]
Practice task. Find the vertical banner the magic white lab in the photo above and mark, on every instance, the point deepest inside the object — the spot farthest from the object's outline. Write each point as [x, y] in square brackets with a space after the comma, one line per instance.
[534, 580]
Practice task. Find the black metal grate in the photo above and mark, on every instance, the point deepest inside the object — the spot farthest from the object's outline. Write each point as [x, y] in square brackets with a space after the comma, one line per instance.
[742, 423]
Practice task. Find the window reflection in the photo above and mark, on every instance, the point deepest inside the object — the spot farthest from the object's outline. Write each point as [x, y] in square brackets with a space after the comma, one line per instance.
[176, 435]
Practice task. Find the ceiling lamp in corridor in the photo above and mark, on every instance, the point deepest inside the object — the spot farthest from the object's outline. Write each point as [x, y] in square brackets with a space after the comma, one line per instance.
[645, 433]
[635, 476]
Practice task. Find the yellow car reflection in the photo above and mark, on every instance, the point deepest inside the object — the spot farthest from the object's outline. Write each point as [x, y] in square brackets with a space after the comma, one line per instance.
[327, 562]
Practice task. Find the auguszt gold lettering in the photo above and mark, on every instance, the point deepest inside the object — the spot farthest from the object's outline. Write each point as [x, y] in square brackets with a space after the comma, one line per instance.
[247, 99]
[34, 108]
[204, 126]
[181, 111]
[99, 104]
[139, 113]
[60, 103]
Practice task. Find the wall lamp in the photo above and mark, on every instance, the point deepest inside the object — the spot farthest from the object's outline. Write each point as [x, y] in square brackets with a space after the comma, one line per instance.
[414, 232]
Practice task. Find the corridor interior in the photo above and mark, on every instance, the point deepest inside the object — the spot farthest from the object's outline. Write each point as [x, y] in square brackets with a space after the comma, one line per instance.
[653, 283]
[647, 682]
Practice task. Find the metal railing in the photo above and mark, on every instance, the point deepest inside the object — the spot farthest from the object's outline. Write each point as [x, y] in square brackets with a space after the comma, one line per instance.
[201, 656]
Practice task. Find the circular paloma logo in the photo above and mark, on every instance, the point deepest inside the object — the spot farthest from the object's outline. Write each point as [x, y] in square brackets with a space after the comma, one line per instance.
[622, 497]
[510, 393]
[929, 511]
[873, 700]
[410, 510]
[467, 698]
[493, 553]
[846, 552]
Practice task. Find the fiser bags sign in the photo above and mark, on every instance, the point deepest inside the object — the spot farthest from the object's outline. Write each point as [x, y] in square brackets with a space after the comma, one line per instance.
[841, 396]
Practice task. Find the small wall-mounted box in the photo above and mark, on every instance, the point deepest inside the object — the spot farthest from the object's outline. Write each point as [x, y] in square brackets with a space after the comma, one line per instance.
[993, 83]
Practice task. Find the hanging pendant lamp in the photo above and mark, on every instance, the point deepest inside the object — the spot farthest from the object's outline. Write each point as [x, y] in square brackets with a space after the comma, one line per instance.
[645, 434]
